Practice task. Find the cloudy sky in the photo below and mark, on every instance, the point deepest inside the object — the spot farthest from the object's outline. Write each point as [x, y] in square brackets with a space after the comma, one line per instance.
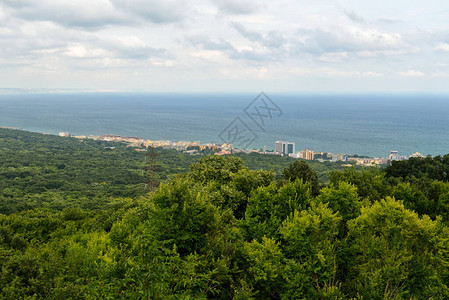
[225, 45]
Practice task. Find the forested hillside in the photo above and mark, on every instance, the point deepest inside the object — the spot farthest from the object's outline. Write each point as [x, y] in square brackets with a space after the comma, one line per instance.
[46, 171]
[77, 222]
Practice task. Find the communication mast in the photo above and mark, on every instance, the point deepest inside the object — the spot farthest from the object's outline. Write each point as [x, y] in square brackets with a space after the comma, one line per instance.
[152, 168]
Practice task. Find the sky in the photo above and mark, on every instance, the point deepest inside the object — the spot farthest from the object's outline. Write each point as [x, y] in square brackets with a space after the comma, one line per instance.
[225, 45]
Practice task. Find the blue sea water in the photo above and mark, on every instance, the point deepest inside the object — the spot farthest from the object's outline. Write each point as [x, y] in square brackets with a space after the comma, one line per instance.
[371, 124]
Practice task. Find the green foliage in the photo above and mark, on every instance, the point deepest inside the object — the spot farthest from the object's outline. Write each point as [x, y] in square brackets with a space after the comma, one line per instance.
[310, 247]
[412, 197]
[398, 254]
[269, 206]
[343, 199]
[228, 181]
[266, 265]
[434, 168]
[216, 168]
[277, 163]
[371, 183]
[51, 172]
[43, 171]
[183, 217]
[301, 170]
[76, 222]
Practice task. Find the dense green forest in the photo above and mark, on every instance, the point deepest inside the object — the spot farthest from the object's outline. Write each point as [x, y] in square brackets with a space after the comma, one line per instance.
[47, 171]
[78, 222]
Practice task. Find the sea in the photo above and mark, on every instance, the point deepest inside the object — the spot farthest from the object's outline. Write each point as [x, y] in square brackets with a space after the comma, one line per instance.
[363, 124]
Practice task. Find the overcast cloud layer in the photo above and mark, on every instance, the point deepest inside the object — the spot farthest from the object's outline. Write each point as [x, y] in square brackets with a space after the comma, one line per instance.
[225, 45]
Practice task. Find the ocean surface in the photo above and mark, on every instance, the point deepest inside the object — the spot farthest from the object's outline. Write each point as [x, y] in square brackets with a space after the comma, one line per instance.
[371, 124]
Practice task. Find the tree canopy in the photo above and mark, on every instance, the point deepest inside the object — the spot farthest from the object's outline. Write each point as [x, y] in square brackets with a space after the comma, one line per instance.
[215, 230]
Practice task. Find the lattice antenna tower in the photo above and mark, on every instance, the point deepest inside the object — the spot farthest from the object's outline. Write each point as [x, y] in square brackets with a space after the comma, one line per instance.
[152, 168]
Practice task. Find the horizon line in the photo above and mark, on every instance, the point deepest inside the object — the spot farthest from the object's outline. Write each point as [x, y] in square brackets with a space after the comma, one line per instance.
[24, 91]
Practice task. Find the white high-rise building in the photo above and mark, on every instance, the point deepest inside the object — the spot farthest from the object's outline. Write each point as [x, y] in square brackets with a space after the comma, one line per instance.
[284, 147]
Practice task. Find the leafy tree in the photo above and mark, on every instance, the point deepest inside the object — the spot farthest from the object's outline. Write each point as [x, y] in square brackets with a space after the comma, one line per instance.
[398, 254]
[435, 168]
[217, 168]
[310, 246]
[234, 193]
[371, 183]
[180, 216]
[343, 199]
[266, 264]
[412, 197]
[269, 206]
[301, 170]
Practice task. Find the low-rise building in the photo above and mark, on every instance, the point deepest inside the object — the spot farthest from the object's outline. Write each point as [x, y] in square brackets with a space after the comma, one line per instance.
[133, 140]
[395, 156]
[214, 147]
[156, 144]
[183, 145]
[269, 153]
[110, 138]
[417, 155]
[226, 146]
[223, 152]
[93, 137]
[242, 150]
[191, 152]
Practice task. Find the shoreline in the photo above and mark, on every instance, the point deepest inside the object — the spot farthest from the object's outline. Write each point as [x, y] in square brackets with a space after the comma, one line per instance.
[225, 148]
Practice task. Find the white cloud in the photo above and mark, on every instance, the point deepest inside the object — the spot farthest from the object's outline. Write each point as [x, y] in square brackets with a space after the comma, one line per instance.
[443, 47]
[96, 14]
[4, 32]
[81, 51]
[133, 47]
[80, 13]
[205, 40]
[351, 39]
[412, 73]
[237, 7]
[351, 74]
[167, 11]
[334, 56]
[271, 39]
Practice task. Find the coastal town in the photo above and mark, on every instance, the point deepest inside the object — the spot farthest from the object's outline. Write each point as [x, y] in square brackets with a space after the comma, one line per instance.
[282, 148]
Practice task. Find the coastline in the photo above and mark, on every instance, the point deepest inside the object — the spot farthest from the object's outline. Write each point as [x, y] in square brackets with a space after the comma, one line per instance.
[141, 144]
